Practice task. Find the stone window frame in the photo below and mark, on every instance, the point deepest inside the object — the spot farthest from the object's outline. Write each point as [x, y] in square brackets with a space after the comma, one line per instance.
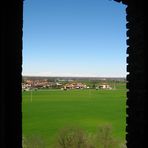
[11, 16]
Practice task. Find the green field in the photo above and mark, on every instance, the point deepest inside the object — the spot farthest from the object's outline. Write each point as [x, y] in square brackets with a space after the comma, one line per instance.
[45, 112]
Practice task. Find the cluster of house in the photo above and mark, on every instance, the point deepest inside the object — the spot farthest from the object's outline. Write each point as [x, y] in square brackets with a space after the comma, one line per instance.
[37, 84]
[75, 85]
[103, 86]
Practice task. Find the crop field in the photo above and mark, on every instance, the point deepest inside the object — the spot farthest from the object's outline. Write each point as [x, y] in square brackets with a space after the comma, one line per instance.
[45, 112]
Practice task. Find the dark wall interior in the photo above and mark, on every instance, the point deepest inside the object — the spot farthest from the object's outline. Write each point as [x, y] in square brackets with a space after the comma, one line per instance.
[136, 66]
[11, 16]
[10, 73]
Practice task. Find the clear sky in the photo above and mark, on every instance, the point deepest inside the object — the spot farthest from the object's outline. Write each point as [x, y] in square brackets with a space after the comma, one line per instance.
[74, 38]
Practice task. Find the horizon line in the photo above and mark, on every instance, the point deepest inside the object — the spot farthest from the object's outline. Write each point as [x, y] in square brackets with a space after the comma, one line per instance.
[77, 76]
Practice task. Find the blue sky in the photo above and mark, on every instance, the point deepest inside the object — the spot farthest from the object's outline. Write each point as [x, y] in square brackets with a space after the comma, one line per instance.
[74, 38]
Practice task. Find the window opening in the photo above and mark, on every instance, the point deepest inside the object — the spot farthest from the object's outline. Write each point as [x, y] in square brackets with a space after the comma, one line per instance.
[73, 71]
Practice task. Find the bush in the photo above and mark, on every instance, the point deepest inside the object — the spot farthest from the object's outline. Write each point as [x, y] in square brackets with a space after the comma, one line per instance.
[33, 142]
[105, 139]
[72, 138]
[77, 138]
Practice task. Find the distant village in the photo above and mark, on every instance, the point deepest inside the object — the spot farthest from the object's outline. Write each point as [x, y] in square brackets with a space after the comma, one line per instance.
[44, 83]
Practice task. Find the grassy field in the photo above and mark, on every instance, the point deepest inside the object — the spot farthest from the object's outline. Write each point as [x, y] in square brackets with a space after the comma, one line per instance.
[46, 112]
